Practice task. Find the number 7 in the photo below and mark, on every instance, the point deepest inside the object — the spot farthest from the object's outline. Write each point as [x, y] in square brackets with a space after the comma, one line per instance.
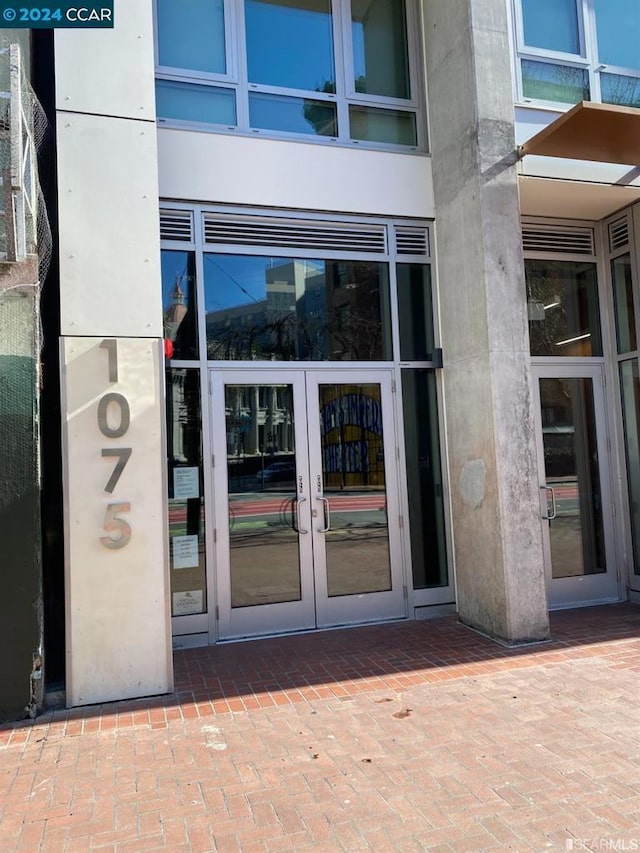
[124, 453]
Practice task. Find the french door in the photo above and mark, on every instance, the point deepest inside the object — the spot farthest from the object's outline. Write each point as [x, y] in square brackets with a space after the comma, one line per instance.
[306, 500]
[576, 502]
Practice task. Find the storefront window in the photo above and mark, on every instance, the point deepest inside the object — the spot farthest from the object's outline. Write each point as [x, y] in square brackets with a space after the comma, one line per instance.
[424, 479]
[630, 388]
[415, 310]
[180, 316]
[562, 303]
[623, 302]
[296, 309]
[186, 496]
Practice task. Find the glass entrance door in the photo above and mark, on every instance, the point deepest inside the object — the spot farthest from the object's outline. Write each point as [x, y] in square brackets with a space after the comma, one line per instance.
[306, 500]
[575, 492]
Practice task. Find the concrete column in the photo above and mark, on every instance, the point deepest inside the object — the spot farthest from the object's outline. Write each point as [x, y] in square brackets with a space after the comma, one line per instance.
[487, 383]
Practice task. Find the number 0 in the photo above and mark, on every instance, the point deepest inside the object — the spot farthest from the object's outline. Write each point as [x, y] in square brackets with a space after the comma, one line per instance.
[125, 415]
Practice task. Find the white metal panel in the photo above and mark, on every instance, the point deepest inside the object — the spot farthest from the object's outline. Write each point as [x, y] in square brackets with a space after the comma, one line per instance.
[229, 169]
[109, 229]
[109, 71]
[117, 598]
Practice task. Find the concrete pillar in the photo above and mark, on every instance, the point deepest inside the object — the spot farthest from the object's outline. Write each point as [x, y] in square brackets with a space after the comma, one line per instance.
[487, 383]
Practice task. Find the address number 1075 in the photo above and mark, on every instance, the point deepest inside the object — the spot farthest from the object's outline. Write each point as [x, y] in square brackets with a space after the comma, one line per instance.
[114, 418]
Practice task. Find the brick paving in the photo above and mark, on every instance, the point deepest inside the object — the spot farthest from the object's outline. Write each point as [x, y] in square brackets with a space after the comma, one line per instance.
[405, 737]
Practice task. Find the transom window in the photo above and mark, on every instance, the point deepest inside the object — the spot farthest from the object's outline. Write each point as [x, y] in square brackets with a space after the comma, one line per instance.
[575, 50]
[334, 70]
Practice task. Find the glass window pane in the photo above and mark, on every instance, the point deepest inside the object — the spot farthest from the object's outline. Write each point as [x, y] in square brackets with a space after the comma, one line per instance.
[296, 309]
[630, 389]
[290, 44]
[424, 479]
[546, 81]
[618, 27]
[186, 495]
[180, 316]
[380, 54]
[191, 35]
[292, 115]
[415, 309]
[562, 301]
[623, 301]
[261, 481]
[551, 25]
[576, 534]
[620, 89]
[388, 126]
[354, 483]
[188, 102]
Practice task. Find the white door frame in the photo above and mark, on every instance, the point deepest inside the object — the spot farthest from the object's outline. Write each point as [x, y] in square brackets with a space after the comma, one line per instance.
[362, 607]
[588, 588]
[264, 618]
[315, 608]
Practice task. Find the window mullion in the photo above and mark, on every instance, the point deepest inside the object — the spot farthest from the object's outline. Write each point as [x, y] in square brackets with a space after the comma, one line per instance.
[231, 30]
[585, 29]
[341, 17]
[591, 47]
[240, 47]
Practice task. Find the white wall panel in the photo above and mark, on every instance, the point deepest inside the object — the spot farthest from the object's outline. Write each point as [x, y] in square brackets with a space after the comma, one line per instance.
[118, 624]
[109, 71]
[229, 169]
[109, 234]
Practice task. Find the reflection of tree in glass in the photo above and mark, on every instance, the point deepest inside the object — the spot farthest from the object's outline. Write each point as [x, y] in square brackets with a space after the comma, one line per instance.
[620, 89]
[320, 115]
[559, 83]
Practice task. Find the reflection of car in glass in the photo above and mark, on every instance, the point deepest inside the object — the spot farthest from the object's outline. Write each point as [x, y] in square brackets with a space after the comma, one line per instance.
[277, 472]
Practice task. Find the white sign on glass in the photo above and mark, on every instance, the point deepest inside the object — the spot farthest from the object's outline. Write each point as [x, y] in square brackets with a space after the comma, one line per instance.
[185, 552]
[186, 483]
[185, 603]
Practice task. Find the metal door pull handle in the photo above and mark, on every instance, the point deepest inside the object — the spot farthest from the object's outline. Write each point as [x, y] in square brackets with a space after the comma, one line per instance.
[296, 527]
[327, 516]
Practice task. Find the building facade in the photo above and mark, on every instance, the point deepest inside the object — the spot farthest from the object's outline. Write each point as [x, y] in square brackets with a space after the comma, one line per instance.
[398, 273]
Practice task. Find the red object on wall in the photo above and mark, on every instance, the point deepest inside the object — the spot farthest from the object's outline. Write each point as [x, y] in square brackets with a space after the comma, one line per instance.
[168, 348]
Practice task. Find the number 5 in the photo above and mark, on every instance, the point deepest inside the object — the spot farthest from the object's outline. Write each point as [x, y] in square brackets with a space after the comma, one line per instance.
[113, 523]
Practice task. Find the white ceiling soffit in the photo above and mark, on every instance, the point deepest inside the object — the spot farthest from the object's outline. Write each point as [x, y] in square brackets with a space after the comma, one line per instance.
[573, 199]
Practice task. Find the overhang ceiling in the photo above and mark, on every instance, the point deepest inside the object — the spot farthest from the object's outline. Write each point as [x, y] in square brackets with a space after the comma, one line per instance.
[573, 199]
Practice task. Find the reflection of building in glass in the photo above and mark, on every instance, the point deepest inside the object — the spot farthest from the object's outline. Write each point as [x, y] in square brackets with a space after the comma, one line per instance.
[183, 417]
[311, 310]
[177, 310]
[259, 420]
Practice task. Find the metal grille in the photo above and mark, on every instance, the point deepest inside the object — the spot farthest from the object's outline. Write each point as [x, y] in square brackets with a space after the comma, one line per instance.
[558, 240]
[295, 234]
[618, 234]
[176, 225]
[412, 241]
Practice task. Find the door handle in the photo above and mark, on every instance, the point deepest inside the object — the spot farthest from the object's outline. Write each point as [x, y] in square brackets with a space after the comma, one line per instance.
[327, 516]
[296, 526]
[548, 517]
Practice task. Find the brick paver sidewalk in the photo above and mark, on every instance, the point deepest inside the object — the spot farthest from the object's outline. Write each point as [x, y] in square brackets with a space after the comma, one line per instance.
[405, 737]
